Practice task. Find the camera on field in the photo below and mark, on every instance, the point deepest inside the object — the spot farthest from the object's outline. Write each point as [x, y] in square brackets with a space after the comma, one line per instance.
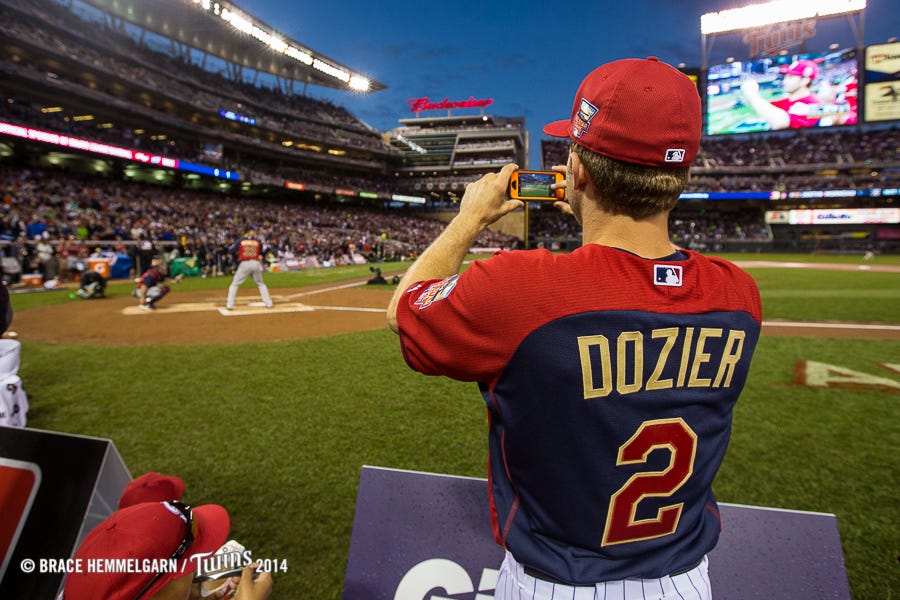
[378, 279]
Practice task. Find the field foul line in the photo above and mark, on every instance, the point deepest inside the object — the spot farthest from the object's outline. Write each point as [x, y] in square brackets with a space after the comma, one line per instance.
[351, 308]
[254, 308]
[812, 325]
[324, 290]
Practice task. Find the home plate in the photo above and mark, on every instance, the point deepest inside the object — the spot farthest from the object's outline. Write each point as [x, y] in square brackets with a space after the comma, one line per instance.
[258, 308]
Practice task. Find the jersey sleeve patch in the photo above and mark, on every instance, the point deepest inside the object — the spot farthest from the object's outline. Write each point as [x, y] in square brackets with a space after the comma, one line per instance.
[435, 292]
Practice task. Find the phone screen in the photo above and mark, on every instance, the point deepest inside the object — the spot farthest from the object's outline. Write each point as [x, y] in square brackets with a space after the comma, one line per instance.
[536, 185]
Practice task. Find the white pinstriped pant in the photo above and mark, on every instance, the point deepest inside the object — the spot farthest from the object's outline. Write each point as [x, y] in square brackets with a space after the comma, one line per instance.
[513, 583]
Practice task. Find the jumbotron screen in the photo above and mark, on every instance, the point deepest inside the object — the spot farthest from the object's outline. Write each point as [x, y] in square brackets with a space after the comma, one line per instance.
[782, 92]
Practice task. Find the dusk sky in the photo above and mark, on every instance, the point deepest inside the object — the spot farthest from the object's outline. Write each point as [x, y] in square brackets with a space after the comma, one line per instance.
[528, 56]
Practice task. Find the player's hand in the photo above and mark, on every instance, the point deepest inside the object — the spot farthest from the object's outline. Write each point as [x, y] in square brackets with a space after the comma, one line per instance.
[562, 205]
[487, 199]
[253, 586]
[750, 86]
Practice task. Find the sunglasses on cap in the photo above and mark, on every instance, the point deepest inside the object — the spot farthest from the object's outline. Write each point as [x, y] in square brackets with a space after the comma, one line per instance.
[186, 541]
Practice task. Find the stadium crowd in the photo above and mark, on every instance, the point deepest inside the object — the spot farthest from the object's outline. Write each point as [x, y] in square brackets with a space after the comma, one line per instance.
[68, 217]
[120, 59]
[776, 162]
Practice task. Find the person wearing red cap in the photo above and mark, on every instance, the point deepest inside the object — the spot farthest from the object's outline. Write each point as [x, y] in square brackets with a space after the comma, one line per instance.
[152, 487]
[798, 108]
[609, 373]
[150, 551]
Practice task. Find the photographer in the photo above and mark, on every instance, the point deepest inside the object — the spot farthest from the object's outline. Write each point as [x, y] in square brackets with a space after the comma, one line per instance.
[609, 373]
[157, 531]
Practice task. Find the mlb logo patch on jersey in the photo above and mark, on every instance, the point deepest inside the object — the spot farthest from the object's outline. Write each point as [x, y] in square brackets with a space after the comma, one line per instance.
[435, 292]
[667, 275]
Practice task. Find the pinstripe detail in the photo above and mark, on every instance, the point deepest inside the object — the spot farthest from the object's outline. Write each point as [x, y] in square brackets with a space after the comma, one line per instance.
[677, 591]
[693, 585]
[513, 583]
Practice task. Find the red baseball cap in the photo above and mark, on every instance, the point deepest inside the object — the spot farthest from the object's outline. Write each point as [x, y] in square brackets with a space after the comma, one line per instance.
[140, 534]
[640, 111]
[801, 68]
[152, 487]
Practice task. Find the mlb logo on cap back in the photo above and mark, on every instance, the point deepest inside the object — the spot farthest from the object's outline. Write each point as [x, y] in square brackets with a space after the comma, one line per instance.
[675, 155]
[638, 111]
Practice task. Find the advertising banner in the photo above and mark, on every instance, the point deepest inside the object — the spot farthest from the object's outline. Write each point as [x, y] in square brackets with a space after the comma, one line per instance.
[54, 488]
[426, 536]
[882, 82]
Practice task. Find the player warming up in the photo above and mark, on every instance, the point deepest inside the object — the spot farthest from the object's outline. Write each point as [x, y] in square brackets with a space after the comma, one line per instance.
[609, 373]
[248, 251]
[799, 108]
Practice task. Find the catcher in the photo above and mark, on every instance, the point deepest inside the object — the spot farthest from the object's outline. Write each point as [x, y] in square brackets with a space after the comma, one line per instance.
[150, 288]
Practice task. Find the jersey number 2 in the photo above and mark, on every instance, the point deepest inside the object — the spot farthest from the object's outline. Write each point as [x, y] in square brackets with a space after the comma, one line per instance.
[681, 441]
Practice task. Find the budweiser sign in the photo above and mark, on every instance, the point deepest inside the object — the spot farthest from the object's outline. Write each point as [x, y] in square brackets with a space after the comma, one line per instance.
[418, 105]
[770, 40]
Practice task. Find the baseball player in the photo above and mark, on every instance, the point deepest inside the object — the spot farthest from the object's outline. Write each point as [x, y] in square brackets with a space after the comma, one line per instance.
[13, 398]
[92, 285]
[799, 108]
[609, 373]
[150, 288]
[248, 252]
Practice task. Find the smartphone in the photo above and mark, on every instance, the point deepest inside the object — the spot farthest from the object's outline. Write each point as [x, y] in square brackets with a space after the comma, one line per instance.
[535, 185]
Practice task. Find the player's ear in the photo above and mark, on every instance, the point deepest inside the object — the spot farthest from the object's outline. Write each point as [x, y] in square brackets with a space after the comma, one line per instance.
[580, 176]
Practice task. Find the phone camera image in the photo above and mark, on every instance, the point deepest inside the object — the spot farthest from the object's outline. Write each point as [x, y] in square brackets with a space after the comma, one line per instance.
[535, 185]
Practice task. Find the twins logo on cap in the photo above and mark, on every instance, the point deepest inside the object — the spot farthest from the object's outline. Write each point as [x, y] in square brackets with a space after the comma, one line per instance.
[582, 121]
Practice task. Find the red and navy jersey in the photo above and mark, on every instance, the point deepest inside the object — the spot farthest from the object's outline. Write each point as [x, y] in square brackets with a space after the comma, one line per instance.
[248, 249]
[801, 111]
[609, 381]
[151, 277]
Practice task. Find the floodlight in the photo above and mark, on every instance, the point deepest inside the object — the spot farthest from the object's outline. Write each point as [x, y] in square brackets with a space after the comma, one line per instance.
[778, 11]
[277, 44]
[359, 83]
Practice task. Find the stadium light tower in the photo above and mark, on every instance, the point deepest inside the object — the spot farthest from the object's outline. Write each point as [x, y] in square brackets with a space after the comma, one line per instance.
[775, 12]
[771, 13]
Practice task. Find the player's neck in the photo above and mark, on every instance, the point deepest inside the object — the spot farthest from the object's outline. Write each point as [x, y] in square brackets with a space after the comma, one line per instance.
[647, 237]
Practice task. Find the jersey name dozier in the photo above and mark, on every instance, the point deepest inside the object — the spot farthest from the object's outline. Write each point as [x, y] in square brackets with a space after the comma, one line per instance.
[692, 357]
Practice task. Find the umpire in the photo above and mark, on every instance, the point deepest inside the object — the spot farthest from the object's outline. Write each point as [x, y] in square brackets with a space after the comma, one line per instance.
[609, 373]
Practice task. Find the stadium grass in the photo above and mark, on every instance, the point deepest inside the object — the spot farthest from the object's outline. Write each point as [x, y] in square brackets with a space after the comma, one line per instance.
[280, 439]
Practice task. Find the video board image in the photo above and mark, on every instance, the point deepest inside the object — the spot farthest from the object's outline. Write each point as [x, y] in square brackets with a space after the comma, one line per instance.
[782, 92]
